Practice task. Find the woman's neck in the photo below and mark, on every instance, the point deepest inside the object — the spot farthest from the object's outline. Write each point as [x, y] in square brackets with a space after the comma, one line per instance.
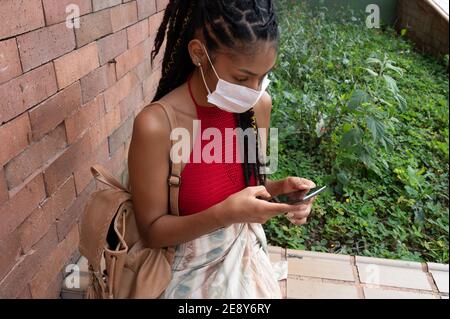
[199, 90]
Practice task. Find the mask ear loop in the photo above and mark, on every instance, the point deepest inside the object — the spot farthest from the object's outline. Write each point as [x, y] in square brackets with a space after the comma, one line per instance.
[203, 76]
[209, 59]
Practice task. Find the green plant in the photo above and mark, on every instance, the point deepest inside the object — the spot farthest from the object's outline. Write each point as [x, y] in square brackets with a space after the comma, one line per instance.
[360, 111]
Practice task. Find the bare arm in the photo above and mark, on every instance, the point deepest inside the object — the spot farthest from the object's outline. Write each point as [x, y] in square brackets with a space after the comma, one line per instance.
[148, 165]
[148, 169]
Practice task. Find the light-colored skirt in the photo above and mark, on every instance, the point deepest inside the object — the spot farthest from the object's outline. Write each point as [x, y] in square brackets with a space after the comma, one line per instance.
[230, 262]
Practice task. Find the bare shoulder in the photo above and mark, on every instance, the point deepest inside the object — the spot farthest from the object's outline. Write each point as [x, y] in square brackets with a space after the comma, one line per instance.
[151, 122]
[263, 110]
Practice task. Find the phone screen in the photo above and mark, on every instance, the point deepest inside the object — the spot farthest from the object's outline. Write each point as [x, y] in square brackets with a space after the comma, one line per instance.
[297, 197]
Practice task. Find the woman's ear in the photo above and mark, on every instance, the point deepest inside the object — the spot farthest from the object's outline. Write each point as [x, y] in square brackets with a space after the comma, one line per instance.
[196, 52]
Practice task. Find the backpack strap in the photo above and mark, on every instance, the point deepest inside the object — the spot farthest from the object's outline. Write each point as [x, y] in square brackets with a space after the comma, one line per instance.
[174, 178]
[103, 176]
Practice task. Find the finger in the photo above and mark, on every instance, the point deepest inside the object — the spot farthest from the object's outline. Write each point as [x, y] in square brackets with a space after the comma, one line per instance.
[278, 208]
[299, 214]
[304, 183]
[298, 183]
[301, 206]
[260, 191]
[299, 222]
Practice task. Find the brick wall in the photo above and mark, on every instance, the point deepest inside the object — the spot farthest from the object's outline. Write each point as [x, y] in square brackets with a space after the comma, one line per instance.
[68, 97]
[425, 25]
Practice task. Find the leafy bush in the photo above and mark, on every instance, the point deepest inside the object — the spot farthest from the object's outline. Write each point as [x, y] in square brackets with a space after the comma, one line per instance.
[360, 111]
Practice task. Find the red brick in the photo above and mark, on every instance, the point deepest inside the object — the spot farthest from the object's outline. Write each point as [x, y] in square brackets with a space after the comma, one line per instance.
[3, 188]
[123, 15]
[20, 206]
[33, 228]
[120, 90]
[45, 44]
[150, 84]
[53, 264]
[51, 289]
[132, 102]
[61, 200]
[111, 120]
[48, 115]
[103, 4]
[66, 163]
[25, 293]
[76, 64]
[98, 81]
[137, 33]
[9, 253]
[72, 216]
[143, 70]
[27, 265]
[146, 8]
[55, 10]
[83, 175]
[98, 133]
[29, 89]
[9, 60]
[34, 157]
[121, 135]
[154, 22]
[112, 46]
[43, 217]
[161, 4]
[14, 138]
[116, 163]
[93, 26]
[131, 58]
[20, 16]
[82, 120]
[75, 155]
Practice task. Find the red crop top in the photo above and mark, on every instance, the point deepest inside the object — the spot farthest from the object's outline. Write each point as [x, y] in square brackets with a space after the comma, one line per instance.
[205, 184]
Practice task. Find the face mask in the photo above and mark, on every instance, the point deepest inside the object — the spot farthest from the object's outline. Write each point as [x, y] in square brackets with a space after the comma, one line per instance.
[231, 97]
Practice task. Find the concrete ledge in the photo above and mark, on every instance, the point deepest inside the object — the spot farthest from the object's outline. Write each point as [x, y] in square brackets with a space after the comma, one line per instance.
[313, 275]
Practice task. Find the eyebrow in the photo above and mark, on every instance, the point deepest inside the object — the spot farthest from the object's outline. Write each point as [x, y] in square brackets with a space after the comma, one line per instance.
[254, 74]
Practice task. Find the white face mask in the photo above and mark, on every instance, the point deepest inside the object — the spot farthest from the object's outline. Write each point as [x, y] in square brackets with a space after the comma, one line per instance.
[231, 97]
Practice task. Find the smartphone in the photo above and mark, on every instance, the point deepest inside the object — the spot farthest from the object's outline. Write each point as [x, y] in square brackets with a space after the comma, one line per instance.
[293, 198]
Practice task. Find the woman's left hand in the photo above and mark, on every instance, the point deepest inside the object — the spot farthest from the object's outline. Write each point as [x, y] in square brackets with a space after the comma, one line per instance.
[292, 184]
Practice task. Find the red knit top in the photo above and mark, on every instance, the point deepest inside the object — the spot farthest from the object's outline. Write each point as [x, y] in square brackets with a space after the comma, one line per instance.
[205, 184]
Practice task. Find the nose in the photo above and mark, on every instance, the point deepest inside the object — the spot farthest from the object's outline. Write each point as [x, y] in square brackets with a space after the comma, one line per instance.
[256, 84]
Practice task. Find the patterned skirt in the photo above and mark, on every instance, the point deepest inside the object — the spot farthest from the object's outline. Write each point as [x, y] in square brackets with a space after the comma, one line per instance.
[229, 263]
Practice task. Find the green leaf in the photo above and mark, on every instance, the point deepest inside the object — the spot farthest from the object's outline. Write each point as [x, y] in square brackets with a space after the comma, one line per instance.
[342, 178]
[357, 99]
[376, 127]
[391, 84]
[373, 60]
[390, 66]
[352, 137]
[371, 72]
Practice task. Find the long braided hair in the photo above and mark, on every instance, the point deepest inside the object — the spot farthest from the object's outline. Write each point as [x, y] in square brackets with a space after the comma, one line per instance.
[230, 23]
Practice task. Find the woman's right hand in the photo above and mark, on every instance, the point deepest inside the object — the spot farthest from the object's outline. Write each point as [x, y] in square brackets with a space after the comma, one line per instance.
[244, 207]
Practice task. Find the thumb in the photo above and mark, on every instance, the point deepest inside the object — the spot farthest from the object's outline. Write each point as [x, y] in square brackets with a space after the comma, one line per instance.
[261, 191]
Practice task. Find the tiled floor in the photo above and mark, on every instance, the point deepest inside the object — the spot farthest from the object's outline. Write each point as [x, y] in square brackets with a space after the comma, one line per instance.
[327, 276]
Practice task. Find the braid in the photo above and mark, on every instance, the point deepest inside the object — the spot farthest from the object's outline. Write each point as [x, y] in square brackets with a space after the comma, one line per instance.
[179, 25]
[230, 23]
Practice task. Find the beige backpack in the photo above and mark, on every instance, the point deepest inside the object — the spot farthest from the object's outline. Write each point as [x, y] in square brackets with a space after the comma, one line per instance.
[119, 264]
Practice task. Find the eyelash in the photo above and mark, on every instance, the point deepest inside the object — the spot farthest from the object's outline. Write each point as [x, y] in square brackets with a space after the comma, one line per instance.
[244, 80]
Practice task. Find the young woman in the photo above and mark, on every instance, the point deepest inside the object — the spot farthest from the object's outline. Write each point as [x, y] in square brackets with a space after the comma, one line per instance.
[217, 58]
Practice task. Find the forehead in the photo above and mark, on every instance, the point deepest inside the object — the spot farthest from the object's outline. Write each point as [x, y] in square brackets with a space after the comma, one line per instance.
[257, 59]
